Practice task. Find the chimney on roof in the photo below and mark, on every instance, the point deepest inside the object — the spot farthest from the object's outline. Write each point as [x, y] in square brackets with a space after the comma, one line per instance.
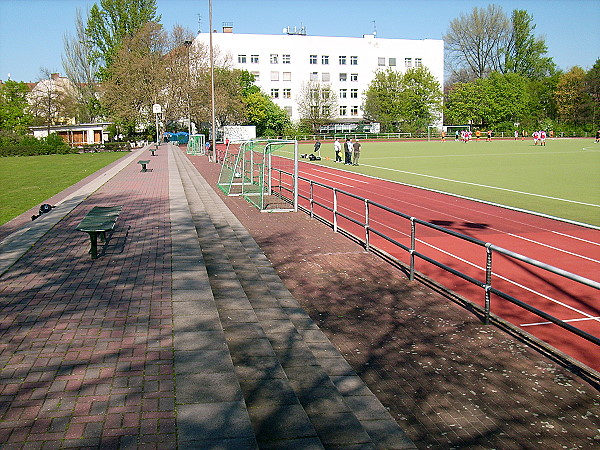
[55, 76]
[227, 27]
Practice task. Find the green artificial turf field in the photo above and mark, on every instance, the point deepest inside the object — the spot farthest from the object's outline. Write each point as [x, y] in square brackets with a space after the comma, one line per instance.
[561, 179]
[30, 180]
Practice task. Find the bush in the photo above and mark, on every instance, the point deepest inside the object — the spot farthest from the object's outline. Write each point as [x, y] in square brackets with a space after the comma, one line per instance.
[29, 146]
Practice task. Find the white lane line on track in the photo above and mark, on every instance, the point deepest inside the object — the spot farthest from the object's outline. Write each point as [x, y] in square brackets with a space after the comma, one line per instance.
[508, 280]
[553, 248]
[550, 323]
[587, 241]
[340, 176]
[485, 186]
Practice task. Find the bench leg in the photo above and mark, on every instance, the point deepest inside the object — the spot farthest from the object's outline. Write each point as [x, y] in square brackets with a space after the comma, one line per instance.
[143, 168]
[93, 244]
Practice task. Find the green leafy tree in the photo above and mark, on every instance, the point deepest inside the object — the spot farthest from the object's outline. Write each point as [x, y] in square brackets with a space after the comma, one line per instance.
[270, 120]
[14, 115]
[524, 52]
[407, 102]
[592, 83]
[573, 102]
[383, 102]
[109, 23]
[489, 102]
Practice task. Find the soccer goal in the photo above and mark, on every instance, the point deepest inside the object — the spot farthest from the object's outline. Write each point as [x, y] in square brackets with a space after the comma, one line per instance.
[196, 144]
[452, 129]
[264, 172]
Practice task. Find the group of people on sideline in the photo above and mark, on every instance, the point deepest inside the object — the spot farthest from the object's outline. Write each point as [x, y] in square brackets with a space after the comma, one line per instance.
[351, 151]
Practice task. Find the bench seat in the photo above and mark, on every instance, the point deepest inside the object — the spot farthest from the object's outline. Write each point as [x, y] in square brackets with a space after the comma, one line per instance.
[99, 221]
[143, 163]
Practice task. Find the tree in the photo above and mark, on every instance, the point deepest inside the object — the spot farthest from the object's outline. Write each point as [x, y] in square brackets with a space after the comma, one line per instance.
[270, 120]
[136, 77]
[491, 102]
[14, 115]
[317, 104]
[476, 41]
[574, 104]
[112, 21]
[408, 102]
[79, 67]
[524, 52]
[592, 83]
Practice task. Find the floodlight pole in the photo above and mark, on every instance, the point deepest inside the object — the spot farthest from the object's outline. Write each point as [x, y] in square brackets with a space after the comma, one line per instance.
[212, 82]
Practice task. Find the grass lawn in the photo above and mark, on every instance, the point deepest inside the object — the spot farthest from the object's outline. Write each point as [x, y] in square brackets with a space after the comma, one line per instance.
[561, 179]
[30, 180]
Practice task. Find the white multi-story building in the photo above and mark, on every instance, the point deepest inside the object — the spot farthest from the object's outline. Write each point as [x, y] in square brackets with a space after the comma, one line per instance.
[283, 63]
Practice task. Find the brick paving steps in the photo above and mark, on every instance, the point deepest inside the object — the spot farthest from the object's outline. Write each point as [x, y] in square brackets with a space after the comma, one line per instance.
[298, 391]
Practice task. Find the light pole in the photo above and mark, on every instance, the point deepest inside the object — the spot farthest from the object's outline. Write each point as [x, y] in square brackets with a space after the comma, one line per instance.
[212, 82]
[157, 109]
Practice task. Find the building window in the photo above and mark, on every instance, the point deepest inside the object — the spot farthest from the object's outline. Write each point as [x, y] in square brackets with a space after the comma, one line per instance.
[325, 60]
[274, 76]
[343, 76]
[353, 77]
[381, 61]
[353, 93]
[254, 59]
[354, 60]
[256, 75]
[286, 59]
[354, 110]
[325, 110]
[274, 93]
[392, 62]
[288, 110]
[274, 58]
[314, 76]
[418, 62]
[287, 76]
[342, 60]
[408, 63]
[314, 110]
[287, 93]
[313, 59]
[242, 59]
[343, 110]
[313, 94]
[343, 93]
[325, 76]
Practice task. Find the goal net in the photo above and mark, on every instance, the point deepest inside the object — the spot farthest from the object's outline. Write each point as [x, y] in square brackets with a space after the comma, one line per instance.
[263, 171]
[196, 144]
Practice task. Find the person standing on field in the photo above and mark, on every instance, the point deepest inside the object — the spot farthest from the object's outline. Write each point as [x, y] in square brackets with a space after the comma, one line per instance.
[356, 148]
[338, 150]
[317, 149]
[348, 151]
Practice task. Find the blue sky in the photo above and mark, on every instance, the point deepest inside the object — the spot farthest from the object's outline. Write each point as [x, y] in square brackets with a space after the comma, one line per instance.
[31, 31]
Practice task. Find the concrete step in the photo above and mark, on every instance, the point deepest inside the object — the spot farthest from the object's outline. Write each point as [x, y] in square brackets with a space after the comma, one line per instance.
[298, 389]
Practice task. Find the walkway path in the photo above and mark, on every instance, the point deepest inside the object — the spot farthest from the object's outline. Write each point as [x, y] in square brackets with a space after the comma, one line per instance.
[180, 334]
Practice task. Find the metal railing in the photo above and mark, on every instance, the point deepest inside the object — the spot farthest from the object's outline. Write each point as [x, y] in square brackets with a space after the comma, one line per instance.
[362, 220]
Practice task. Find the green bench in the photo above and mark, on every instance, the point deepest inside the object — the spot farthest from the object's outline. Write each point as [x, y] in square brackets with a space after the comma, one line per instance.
[143, 163]
[153, 150]
[99, 221]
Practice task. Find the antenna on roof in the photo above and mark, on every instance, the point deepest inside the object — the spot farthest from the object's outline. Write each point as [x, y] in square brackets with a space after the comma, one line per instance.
[374, 29]
[199, 21]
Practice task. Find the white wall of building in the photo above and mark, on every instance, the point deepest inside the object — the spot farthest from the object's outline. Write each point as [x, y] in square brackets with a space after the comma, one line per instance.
[282, 63]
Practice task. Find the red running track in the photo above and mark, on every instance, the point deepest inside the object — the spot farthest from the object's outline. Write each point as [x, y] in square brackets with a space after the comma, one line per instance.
[573, 248]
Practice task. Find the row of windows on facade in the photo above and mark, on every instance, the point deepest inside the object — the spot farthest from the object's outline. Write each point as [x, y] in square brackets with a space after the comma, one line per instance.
[343, 110]
[287, 93]
[287, 59]
[313, 76]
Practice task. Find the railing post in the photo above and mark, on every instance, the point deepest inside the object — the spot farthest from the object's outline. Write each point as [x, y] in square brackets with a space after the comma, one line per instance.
[367, 246]
[488, 281]
[311, 200]
[335, 204]
[413, 232]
